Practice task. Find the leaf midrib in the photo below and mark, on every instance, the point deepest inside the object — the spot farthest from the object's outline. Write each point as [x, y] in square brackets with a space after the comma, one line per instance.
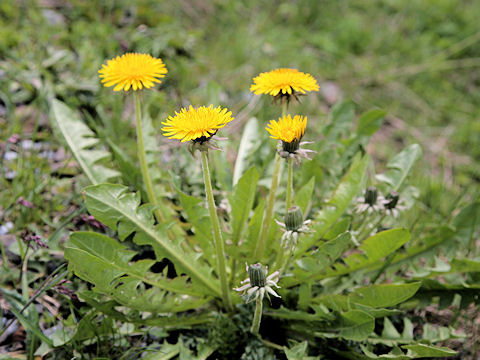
[136, 276]
[172, 252]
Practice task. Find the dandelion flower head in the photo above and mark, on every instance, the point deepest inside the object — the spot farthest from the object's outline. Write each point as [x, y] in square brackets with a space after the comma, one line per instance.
[283, 82]
[197, 124]
[287, 129]
[132, 71]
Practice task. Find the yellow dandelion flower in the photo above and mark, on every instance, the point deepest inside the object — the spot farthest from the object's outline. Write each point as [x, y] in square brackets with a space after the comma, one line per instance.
[283, 82]
[132, 70]
[197, 124]
[288, 129]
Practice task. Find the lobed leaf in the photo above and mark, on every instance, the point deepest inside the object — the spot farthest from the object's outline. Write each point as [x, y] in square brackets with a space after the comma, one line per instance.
[121, 211]
[107, 264]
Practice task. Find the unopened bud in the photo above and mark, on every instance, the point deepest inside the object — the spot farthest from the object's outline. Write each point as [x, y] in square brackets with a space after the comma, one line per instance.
[391, 200]
[294, 218]
[371, 195]
[258, 275]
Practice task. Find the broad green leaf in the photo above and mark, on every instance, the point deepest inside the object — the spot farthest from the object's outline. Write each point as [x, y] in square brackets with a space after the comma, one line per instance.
[80, 140]
[400, 166]
[304, 195]
[242, 202]
[250, 138]
[422, 350]
[338, 203]
[106, 263]
[385, 295]
[369, 122]
[120, 210]
[356, 325]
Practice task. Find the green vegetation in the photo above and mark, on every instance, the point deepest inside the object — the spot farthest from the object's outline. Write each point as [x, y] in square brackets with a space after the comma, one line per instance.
[397, 108]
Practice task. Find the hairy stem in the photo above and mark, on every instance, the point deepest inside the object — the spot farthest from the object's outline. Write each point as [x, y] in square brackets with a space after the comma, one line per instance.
[267, 218]
[258, 316]
[217, 235]
[142, 158]
[289, 184]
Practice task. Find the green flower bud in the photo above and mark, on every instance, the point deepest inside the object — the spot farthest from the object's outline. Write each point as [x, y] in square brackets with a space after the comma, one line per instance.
[391, 200]
[294, 218]
[371, 195]
[257, 274]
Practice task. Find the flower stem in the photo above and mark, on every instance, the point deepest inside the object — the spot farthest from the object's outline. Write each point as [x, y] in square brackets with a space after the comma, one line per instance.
[289, 184]
[142, 158]
[217, 235]
[258, 316]
[267, 219]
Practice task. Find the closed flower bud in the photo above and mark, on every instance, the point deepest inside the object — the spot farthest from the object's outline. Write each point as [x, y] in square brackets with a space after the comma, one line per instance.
[258, 275]
[294, 218]
[391, 200]
[371, 195]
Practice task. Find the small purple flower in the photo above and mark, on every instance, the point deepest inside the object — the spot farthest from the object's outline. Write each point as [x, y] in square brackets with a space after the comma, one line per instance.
[13, 139]
[31, 239]
[62, 289]
[90, 220]
[22, 201]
